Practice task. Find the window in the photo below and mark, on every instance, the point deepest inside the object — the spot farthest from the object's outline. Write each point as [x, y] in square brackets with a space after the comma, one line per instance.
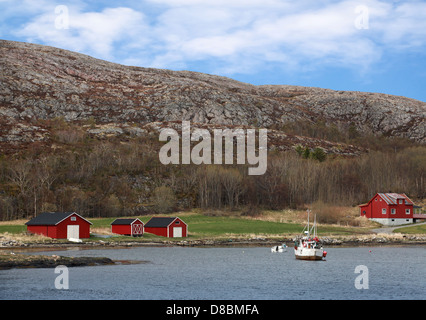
[384, 211]
[393, 211]
[407, 211]
[176, 222]
[73, 219]
[400, 201]
[375, 199]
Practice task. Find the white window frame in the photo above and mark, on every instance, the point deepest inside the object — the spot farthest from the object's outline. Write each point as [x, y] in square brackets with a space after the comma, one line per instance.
[393, 211]
[383, 210]
[407, 211]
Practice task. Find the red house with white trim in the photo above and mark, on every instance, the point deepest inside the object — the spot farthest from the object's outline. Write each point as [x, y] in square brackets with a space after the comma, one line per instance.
[388, 209]
[170, 227]
[60, 225]
[128, 227]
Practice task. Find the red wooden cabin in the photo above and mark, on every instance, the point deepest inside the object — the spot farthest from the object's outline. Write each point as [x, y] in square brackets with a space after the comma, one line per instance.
[388, 209]
[60, 225]
[170, 227]
[128, 227]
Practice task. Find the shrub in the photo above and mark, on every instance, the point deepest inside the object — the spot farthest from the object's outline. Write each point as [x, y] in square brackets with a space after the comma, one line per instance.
[327, 213]
[318, 154]
[163, 199]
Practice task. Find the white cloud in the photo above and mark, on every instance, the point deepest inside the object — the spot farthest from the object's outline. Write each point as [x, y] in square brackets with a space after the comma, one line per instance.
[321, 33]
[404, 25]
[94, 33]
[219, 3]
[237, 35]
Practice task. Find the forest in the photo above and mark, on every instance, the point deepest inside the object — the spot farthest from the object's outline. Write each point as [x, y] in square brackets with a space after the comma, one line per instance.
[124, 177]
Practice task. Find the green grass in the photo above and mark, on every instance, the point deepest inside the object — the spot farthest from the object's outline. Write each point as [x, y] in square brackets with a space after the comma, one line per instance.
[218, 226]
[215, 227]
[205, 226]
[201, 226]
[13, 228]
[421, 229]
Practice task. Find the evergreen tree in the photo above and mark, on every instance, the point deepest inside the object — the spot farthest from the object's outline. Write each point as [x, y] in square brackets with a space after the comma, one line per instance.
[306, 153]
[318, 154]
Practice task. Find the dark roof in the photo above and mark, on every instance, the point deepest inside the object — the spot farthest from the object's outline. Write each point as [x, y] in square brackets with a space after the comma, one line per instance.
[159, 222]
[51, 218]
[123, 221]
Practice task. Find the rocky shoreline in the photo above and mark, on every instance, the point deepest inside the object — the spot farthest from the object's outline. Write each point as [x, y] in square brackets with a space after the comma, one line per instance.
[379, 239]
[13, 260]
[349, 241]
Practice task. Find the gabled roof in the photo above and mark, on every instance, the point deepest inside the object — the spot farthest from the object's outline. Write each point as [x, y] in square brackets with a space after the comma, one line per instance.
[160, 222]
[124, 221]
[392, 198]
[51, 218]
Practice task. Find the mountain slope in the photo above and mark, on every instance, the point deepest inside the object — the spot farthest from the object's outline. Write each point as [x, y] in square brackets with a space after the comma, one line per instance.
[40, 82]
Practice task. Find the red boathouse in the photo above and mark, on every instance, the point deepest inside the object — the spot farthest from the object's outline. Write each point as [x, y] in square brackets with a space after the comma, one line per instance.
[170, 227]
[128, 227]
[60, 225]
[388, 209]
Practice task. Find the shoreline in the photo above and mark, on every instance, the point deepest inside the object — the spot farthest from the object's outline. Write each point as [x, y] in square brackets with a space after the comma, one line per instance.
[343, 241]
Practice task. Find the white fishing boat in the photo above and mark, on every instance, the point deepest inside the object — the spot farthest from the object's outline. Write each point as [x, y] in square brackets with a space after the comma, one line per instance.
[308, 246]
[282, 248]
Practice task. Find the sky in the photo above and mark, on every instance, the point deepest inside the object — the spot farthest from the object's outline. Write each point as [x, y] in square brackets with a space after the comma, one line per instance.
[355, 45]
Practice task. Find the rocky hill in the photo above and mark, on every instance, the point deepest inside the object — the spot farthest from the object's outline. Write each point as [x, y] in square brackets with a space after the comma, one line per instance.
[40, 83]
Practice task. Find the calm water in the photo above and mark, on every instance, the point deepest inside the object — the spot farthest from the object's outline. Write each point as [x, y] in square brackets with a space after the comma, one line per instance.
[227, 274]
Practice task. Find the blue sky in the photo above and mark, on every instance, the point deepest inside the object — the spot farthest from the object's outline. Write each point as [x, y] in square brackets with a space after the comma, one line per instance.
[357, 45]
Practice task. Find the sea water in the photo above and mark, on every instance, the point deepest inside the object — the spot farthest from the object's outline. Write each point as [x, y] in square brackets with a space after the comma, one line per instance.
[230, 273]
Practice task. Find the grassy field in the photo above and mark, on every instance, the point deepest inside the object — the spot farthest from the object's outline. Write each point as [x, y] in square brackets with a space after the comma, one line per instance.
[420, 229]
[13, 228]
[218, 226]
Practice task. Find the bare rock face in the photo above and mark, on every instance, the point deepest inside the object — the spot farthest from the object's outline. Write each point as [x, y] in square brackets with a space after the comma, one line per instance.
[41, 82]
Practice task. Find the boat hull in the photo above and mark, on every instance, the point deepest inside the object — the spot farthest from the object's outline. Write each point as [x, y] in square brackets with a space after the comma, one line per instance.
[308, 257]
[309, 254]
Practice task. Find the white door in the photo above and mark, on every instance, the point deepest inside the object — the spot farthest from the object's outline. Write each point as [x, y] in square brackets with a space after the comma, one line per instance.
[177, 232]
[73, 232]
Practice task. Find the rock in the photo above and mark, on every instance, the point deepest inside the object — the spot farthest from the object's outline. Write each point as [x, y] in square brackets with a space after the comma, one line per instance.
[106, 130]
[40, 82]
[10, 243]
[40, 261]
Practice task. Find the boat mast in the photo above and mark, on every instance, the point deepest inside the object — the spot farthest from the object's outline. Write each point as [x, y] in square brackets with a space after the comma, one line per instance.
[309, 231]
[315, 225]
